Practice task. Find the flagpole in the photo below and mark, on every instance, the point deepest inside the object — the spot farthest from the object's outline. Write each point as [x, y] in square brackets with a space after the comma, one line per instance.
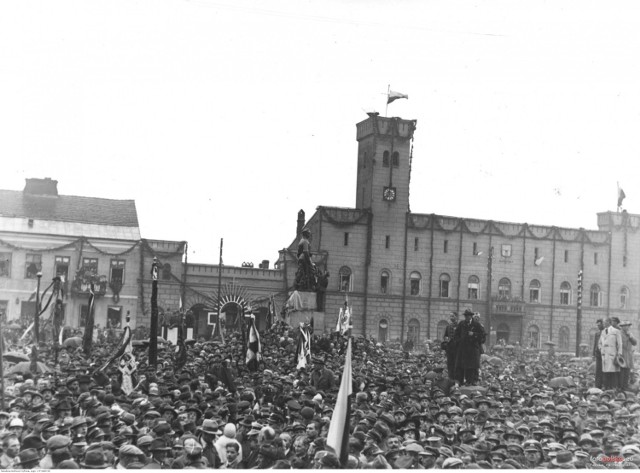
[220, 280]
[2, 363]
[387, 106]
[153, 335]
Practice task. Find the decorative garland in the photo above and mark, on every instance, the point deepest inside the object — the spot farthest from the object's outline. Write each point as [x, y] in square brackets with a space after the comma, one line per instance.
[421, 222]
[342, 223]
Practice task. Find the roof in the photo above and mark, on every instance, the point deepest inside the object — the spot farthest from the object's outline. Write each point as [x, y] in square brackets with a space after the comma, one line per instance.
[69, 208]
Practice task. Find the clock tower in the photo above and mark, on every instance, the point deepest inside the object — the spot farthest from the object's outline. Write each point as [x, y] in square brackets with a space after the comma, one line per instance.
[384, 163]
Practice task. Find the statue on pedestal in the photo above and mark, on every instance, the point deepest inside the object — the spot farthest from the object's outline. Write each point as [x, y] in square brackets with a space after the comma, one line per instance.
[307, 271]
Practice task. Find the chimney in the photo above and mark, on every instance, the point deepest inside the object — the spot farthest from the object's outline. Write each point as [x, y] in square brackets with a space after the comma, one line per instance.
[46, 186]
[300, 225]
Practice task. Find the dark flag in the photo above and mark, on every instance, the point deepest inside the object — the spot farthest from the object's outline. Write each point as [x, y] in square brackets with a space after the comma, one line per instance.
[254, 349]
[338, 435]
[153, 335]
[181, 354]
[88, 326]
[621, 196]
[125, 341]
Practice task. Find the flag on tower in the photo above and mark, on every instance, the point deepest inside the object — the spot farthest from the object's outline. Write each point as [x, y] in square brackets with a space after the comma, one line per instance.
[621, 196]
[338, 435]
[395, 96]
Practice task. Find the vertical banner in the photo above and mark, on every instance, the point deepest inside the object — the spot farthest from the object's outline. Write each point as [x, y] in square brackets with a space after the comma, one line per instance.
[153, 335]
[88, 326]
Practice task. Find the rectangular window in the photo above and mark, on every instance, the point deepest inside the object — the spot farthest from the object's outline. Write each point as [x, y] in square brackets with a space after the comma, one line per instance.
[117, 271]
[444, 288]
[28, 310]
[62, 267]
[346, 238]
[33, 266]
[534, 294]
[114, 317]
[536, 254]
[384, 283]
[387, 241]
[345, 282]
[475, 248]
[596, 299]
[4, 305]
[566, 256]
[416, 242]
[595, 259]
[505, 251]
[473, 291]
[90, 265]
[5, 265]
[446, 246]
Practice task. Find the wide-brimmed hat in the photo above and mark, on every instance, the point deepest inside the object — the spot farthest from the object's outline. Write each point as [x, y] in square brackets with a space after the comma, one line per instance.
[94, 460]
[210, 426]
[28, 455]
[563, 457]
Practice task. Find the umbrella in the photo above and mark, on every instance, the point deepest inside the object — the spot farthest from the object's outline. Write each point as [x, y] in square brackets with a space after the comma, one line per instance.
[562, 382]
[510, 347]
[73, 342]
[14, 326]
[549, 342]
[25, 367]
[15, 357]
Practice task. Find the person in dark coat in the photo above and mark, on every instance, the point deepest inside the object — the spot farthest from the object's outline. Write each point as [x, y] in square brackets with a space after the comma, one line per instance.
[449, 346]
[468, 337]
[596, 353]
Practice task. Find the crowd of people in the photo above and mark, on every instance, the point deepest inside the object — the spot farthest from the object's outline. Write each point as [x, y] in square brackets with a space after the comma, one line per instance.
[446, 405]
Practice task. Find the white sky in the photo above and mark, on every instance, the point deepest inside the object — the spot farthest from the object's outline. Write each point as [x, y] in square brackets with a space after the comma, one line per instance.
[224, 118]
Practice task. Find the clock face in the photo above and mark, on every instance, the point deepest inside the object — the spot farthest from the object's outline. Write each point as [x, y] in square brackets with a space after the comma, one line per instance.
[389, 194]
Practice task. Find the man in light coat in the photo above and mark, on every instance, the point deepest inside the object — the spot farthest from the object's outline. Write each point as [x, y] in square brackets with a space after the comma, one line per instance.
[610, 348]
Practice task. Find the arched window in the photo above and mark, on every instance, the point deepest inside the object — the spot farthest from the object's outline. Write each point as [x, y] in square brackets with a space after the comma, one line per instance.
[534, 291]
[533, 337]
[166, 272]
[563, 338]
[414, 281]
[385, 159]
[385, 282]
[503, 332]
[344, 279]
[504, 288]
[445, 279]
[565, 293]
[383, 330]
[596, 296]
[413, 333]
[624, 297]
[473, 287]
[442, 326]
[395, 159]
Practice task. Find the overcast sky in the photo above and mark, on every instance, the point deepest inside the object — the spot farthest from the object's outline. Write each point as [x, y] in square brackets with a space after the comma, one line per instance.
[224, 118]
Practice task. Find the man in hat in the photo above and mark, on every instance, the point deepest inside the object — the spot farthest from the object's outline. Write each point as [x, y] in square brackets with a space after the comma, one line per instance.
[449, 346]
[628, 342]
[469, 337]
[610, 349]
[597, 355]
[159, 452]
[322, 378]
[210, 430]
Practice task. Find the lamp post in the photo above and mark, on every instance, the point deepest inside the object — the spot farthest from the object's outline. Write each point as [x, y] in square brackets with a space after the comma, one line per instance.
[489, 300]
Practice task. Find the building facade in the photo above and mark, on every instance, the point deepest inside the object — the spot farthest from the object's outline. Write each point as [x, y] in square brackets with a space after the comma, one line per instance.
[404, 272]
[86, 239]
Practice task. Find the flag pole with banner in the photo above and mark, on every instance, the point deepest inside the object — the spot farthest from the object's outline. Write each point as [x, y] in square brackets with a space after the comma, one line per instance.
[153, 335]
[338, 435]
[621, 196]
[254, 349]
[88, 326]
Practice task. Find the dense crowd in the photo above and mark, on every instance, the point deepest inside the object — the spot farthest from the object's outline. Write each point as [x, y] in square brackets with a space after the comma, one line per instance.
[407, 411]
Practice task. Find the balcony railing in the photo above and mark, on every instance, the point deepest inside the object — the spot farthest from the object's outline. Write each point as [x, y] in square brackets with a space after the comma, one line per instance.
[507, 305]
[82, 283]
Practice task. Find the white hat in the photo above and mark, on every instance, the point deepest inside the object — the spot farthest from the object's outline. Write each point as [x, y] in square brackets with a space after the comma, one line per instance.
[16, 423]
[451, 462]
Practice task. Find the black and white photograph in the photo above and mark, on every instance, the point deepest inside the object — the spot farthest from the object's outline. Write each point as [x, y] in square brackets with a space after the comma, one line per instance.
[337, 234]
